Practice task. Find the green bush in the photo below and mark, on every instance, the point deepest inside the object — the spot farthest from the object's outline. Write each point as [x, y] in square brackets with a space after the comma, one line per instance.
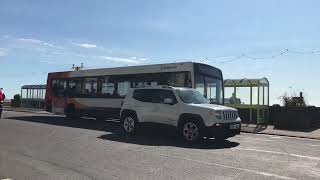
[16, 102]
[292, 101]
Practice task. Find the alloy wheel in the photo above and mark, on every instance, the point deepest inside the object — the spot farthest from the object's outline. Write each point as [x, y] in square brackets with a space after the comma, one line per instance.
[190, 131]
[128, 124]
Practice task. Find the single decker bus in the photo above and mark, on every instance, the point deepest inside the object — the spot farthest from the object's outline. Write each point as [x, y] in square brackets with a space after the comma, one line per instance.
[99, 93]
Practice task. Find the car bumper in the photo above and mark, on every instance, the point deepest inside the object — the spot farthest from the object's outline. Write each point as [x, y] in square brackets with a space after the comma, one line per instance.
[222, 130]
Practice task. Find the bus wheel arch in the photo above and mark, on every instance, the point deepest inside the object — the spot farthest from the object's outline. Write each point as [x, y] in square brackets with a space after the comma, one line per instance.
[70, 111]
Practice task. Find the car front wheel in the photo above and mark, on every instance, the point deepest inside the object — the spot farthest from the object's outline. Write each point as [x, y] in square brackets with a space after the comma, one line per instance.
[191, 131]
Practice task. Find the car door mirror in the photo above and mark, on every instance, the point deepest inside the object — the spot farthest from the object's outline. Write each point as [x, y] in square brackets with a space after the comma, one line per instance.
[168, 101]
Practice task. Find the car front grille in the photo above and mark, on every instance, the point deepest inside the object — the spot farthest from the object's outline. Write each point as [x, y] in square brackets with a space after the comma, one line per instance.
[230, 115]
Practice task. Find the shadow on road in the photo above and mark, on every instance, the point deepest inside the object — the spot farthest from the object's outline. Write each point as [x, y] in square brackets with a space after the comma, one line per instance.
[74, 123]
[165, 140]
[156, 135]
[151, 136]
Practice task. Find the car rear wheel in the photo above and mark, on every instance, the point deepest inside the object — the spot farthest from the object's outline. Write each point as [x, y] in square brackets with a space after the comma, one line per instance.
[130, 124]
[191, 131]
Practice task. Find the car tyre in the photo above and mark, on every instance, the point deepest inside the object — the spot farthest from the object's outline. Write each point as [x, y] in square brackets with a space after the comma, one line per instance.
[130, 124]
[191, 131]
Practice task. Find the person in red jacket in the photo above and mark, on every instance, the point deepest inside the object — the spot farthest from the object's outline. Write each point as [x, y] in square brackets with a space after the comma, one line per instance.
[2, 97]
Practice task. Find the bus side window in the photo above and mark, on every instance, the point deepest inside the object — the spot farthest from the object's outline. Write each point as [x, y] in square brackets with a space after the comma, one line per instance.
[109, 87]
[123, 88]
[90, 86]
[74, 88]
[87, 87]
[200, 85]
[104, 87]
[188, 81]
[62, 88]
[59, 88]
[180, 80]
[55, 87]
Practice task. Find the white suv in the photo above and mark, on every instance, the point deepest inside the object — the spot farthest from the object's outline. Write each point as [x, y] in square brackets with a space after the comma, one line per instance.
[183, 108]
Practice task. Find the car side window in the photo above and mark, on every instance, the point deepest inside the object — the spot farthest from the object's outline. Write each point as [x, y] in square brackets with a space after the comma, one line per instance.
[146, 95]
[138, 95]
[153, 95]
[163, 94]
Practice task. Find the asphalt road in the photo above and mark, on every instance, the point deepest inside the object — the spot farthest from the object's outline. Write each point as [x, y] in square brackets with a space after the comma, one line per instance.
[40, 146]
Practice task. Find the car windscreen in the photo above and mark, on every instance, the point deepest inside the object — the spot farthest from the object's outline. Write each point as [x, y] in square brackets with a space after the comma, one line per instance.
[192, 97]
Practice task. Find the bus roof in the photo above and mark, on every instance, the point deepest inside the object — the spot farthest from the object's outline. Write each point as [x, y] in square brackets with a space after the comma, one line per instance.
[154, 68]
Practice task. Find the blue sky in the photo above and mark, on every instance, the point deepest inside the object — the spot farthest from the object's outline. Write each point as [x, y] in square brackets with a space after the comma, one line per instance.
[37, 37]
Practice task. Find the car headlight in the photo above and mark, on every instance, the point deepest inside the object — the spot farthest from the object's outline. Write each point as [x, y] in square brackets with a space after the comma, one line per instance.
[218, 114]
[210, 114]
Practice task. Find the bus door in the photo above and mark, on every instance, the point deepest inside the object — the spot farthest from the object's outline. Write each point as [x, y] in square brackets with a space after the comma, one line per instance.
[59, 99]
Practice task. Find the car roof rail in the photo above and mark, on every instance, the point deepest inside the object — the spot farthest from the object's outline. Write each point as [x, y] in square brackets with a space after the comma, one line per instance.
[154, 86]
[166, 86]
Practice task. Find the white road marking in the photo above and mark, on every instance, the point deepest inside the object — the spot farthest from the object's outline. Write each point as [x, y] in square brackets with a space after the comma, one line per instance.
[313, 145]
[257, 139]
[280, 153]
[281, 136]
[230, 167]
[276, 137]
[112, 120]
[6, 179]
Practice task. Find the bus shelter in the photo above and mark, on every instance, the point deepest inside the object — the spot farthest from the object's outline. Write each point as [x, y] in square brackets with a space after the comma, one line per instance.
[250, 97]
[32, 96]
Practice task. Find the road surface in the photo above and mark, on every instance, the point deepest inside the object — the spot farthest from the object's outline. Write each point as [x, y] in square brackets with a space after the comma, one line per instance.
[42, 146]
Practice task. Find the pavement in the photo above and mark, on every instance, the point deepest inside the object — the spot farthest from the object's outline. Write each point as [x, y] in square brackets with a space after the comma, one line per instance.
[269, 129]
[21, 109]
[45, 146]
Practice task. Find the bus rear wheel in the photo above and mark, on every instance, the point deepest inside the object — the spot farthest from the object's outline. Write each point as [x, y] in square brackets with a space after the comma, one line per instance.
[70, 112]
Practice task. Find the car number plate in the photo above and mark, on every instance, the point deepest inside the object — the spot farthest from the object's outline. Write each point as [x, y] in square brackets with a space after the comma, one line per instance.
[234, 126]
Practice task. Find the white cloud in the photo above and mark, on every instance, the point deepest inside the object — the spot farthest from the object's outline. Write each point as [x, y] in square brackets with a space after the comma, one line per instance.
[29, 40]
[3, 51]
[120, 59]
[88, 46]
[138, 59]
[58, 53]
[142, 59]
[36, 42]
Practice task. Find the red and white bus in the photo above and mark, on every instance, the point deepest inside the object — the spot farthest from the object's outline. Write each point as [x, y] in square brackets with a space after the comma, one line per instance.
[99, 92]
